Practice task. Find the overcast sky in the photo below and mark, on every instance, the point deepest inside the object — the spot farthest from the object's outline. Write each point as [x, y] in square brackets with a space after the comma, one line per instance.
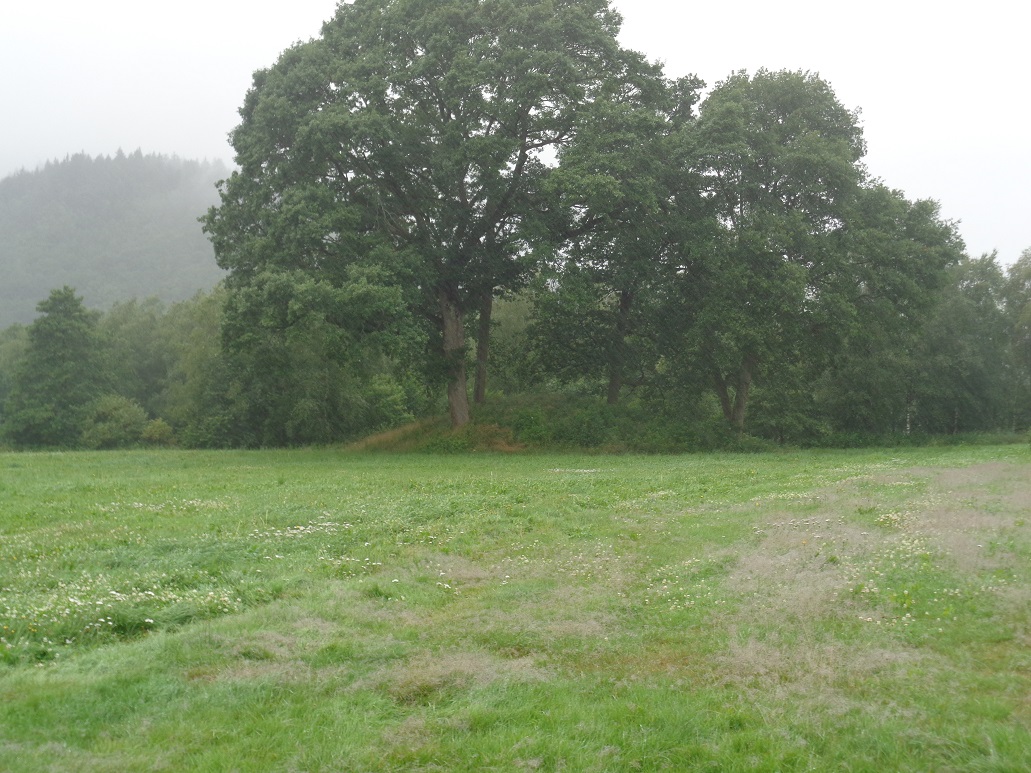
[943, 92]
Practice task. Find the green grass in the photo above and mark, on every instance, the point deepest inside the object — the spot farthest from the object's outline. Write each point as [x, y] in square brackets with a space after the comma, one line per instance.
[325, 611]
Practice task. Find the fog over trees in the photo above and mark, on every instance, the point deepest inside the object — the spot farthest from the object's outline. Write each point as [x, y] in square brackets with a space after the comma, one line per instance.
[112, 227]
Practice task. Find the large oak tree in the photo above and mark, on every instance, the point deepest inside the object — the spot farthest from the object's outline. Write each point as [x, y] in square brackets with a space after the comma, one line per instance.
[422, 127]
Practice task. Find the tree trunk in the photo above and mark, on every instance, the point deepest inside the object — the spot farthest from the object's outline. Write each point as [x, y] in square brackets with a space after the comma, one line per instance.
[483, 347]
[744, 386]
[723, 392]
[615, 385]
[454, 354]
[617, 357]
[735, 411]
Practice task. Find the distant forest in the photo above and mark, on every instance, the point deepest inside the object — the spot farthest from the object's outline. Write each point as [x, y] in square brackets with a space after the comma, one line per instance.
[115, 228]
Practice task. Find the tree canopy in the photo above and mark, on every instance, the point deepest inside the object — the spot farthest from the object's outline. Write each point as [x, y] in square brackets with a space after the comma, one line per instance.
[779, 157]
[59, 377]
[424, 126]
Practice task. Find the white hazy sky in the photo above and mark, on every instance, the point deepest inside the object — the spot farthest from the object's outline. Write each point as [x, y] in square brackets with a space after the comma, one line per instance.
[943, 89]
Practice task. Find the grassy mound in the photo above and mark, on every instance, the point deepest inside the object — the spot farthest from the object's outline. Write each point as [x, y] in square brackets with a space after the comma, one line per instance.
[437, 436]
[556, 422]
[563, 423]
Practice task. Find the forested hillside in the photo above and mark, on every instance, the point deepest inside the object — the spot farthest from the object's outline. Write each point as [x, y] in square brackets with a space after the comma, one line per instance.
[115, 228]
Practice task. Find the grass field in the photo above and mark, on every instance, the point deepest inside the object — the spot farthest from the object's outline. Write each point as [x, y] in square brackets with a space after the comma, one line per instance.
[332, 611]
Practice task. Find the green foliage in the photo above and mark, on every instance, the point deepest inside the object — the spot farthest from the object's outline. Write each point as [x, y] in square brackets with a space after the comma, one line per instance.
[785, 408]
[571, 422]
[531, 427]
[387, 404]
[310, 358]
[13, 343]
[964, 353]
[514, 367]
[779, 157]
[419, 129]
[197, 397]
[627, 205]
[158, 432]
[114, 422]
[1018, 313]
[796, 259]
[58, 379]
[789, 256]
[726, 280]
[570, 331]
[339, 349]
[137, 350]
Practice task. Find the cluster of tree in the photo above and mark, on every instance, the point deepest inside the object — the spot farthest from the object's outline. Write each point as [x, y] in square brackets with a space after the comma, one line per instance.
[959, 363]
[459, 152]
[149, 373]
[115, 228]
[429, 179]
[144, 372]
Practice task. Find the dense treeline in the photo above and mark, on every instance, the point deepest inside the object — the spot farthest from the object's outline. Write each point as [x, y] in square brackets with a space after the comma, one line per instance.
[114, 228]
[148, 373]
[433, 188]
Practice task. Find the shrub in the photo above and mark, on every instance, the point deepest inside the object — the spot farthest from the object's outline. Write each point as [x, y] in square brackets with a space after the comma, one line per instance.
[114, 422]
[158, 433]
[387, 404]
[530, 426]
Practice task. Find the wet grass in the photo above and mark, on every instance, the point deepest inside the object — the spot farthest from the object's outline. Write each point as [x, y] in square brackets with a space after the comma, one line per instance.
[318, 610]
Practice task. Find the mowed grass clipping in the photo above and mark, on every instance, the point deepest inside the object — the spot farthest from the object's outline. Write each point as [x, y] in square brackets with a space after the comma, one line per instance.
[328, 611]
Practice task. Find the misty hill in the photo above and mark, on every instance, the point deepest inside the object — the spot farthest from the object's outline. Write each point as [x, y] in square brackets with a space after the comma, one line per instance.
[114, 228]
